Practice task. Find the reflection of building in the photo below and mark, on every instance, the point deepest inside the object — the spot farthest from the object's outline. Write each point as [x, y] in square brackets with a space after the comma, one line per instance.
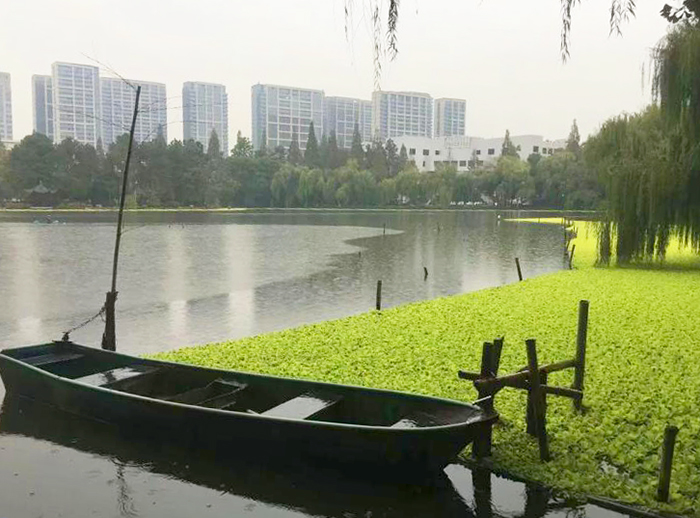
[205, 109]
[280, 111]
[5, 107]
[42, 105]
[395, 114]
[449, 117]
[429, 153]
[76, 102]
[341, 114]
[118, 97]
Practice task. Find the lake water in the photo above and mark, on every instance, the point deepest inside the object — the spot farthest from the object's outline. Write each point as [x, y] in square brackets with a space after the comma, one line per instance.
[187, 278]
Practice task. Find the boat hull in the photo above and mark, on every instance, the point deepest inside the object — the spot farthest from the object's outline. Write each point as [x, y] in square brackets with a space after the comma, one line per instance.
[241, 434]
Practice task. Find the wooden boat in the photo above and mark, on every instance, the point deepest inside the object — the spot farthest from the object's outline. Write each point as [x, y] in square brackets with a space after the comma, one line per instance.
[230, 411]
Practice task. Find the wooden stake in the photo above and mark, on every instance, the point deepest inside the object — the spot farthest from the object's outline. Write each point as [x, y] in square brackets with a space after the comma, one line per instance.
[537, 397]
[571, 256]
[517, 265]
[482, 444]
[666, 463]
[109, 338]
[581, 336]
[379, 295]
[425, 273]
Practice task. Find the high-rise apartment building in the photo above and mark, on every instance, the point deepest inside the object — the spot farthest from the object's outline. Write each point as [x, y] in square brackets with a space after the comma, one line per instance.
[280, 111]
[449, 117]
[117, 100]
[5, 107]
[395, 114]
[42, 105]
[341, 114]
[76, 102]
[205, 109]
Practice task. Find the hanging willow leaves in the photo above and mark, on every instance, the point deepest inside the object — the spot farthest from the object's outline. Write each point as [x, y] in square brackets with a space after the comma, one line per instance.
[650, 162]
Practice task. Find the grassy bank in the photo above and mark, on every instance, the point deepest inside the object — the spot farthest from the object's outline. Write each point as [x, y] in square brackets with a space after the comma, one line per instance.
[643, 367]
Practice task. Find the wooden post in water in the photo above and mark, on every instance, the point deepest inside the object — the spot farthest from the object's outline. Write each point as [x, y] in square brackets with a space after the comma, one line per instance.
[425, 273]
[581, 337]
[666, 463]
[482, 443]
[517, 265]
[379, 295]
[537, 399]
[109, 338]
[384, 232]
[571, 255]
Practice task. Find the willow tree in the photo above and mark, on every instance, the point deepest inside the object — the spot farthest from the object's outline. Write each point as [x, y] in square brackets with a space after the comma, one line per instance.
[650, 162]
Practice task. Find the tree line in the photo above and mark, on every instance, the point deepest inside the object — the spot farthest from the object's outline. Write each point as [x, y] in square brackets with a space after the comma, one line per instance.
[183, 174]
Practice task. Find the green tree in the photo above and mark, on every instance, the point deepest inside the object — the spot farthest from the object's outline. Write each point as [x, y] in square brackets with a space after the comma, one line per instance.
[335, 156]
[214, 147]
[243, 147]
[403, 159]
[33, 160]
[508, 148]
[311, 155]
[294, 155]
[573, 142]
[392, 158]
[262, 152]
[376, 159]
[357, 153]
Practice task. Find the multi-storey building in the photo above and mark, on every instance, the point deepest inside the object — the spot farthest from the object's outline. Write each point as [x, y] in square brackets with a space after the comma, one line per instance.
[464, 153]
[205, 109]
[76, 102]
[117, 99]
[449, 117]
[395, 114]
[5, 107]
[342, 114]
[42, 105]
[280, 111]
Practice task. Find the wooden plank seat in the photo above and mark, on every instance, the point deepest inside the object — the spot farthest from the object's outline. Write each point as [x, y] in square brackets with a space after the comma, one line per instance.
[305, 406]
[113, 376]
[417, 419]
[51, 358]
[217, 394]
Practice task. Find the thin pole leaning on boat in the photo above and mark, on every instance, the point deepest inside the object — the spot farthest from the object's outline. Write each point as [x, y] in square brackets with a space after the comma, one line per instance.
[109, 339]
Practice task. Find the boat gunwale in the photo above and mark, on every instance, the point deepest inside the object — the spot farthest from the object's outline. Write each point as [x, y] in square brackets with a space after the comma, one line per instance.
[480, 416]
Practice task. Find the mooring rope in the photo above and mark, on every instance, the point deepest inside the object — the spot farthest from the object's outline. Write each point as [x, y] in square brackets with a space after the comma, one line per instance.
[66, 334]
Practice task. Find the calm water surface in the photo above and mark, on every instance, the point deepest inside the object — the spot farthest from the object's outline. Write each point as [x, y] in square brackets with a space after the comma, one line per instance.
[190, 278]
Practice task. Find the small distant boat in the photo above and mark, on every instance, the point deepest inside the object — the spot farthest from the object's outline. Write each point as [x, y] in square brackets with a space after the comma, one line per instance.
[238, 411]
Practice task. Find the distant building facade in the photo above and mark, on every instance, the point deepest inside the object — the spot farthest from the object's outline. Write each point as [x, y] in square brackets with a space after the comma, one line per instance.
[341, 114]
[76, 102]
[396, 114]
[205, 109]
[5, 107]
[456, 151]
[42, 105]
[117, 98]
[450, 115]
[280, 111]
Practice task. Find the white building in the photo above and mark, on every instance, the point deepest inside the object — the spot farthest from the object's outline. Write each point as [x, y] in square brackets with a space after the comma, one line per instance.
[5, 107]
[42, 105]
[280, 111]
[342, 114]
[450, 115]
[395, 114]
[117, 99]
[76, 101]
[429, 153]
[205, 109]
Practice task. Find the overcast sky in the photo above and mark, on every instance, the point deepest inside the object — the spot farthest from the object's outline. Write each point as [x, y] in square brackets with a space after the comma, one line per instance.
[502, 56]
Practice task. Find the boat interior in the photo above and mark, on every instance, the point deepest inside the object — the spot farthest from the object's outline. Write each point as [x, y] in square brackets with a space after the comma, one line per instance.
[241, 392]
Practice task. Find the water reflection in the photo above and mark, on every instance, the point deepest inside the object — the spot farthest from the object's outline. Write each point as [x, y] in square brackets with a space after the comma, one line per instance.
[128, 477]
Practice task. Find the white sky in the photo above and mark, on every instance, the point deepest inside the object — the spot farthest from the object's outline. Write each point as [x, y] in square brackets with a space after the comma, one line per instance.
[502, 56]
